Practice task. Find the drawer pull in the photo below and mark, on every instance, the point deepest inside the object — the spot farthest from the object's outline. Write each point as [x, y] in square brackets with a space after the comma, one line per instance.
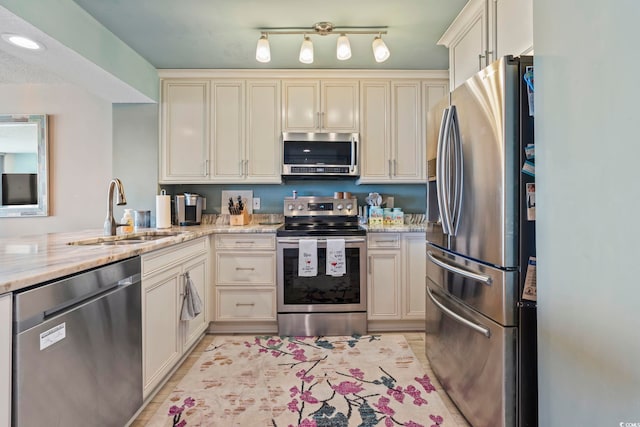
[385, 241]
[238, 304]
[244, 242]
[245, 268]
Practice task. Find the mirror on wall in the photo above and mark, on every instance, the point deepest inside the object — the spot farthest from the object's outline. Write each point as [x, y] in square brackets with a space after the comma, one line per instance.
[23, 165]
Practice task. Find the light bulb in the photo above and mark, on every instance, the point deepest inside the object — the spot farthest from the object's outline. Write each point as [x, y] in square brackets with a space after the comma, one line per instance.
[380, 50]
[343, 50]
[263, 51]
[22, 41]
[306, 51]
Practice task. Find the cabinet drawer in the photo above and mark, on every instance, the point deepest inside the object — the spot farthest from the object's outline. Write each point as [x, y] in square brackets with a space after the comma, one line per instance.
[173, 255]
[249, 268]
[245, 304]
[245, 241]
[383, 240]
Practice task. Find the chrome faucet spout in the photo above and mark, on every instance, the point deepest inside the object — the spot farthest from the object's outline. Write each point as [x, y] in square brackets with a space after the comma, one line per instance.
[110, 224]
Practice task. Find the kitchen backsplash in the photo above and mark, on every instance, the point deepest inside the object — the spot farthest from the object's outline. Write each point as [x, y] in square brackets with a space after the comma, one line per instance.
[410, 197]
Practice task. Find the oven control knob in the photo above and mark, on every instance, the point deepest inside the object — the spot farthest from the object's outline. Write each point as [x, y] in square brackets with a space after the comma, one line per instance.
[300, 207]
[339, 207]
[349, 206]
[290, 207]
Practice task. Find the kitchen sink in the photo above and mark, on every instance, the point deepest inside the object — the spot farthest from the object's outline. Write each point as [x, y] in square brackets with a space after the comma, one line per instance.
[127, 239]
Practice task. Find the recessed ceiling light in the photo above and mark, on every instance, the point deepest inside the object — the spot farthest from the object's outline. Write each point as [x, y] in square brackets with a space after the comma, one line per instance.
[22, 41]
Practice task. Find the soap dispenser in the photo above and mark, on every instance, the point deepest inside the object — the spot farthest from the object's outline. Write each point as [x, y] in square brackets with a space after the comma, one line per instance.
[127, 219]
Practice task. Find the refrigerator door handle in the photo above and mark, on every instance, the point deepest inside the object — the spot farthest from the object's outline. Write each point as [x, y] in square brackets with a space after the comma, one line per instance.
[456, 270]
[456, 209]
[482, 330]
[443, 170]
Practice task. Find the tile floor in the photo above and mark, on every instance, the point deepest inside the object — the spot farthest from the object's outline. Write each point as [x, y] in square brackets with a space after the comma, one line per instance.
[415, 340]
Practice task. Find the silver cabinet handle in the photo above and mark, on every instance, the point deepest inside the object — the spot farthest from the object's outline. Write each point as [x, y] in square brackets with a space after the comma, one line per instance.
[480, 58]
[245, 242]
[251, 304]
[468, 274]
[369, 265]
[245, 268]
[206, 167]
[484, 331]
[246, 168]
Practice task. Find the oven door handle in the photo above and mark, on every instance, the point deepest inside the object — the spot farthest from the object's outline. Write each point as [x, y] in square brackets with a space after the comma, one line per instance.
[321, 240]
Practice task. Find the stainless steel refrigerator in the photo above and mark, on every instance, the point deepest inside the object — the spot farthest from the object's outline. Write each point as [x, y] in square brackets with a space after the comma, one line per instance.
[480, 332]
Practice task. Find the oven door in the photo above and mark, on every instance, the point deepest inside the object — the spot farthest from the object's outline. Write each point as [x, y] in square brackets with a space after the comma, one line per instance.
[321, 293]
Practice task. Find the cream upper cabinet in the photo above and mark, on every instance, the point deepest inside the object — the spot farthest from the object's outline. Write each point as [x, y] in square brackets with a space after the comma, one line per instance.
[263, 155]
[484, 31]
[6, 319]
[220, 131]
[514, 27]
[469, 41]
[392, 132]
[184, 132]
[320, 105]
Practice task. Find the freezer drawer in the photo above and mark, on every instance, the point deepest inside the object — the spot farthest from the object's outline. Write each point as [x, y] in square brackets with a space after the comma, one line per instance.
[491, 291]
[473, 358]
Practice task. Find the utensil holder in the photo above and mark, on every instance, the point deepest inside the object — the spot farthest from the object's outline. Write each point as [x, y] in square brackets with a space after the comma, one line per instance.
[242, 219]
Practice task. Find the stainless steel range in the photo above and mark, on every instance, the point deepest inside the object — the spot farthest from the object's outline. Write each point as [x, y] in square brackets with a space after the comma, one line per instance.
[321, 301]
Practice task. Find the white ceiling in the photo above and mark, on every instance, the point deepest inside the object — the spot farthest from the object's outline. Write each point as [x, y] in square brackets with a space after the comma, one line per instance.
[223, 33]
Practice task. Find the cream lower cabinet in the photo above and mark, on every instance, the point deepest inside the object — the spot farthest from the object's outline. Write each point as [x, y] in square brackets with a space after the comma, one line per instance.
[166, 338]
[396, 281]
[6, 319]
[245, 291]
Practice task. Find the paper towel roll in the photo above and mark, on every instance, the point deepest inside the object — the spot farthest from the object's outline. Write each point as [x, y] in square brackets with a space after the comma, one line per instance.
[163, 211]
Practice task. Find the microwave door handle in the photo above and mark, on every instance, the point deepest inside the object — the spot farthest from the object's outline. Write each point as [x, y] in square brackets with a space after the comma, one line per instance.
[484, 331]
[353, 154]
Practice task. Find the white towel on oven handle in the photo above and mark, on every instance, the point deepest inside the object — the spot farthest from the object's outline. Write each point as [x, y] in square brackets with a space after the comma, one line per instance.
[307, 257]
[335, 257]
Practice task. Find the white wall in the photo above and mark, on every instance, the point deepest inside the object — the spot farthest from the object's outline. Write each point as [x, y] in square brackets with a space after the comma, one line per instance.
[587, 153]
[80, 155]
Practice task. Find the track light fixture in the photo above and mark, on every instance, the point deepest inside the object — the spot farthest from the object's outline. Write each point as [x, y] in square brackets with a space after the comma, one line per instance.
[343, 48]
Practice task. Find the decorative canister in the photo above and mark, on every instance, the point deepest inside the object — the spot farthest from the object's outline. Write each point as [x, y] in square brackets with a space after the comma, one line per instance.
[388, 216]
[398, 216]
[375, 215]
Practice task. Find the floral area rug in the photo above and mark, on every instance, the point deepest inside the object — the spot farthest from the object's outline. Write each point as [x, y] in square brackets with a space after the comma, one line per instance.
[305, 382]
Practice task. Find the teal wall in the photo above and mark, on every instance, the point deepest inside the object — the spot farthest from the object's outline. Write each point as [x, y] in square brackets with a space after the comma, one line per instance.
[411, 198]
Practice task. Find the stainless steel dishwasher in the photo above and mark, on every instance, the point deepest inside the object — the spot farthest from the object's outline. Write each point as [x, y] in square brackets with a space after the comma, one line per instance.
[78, 349]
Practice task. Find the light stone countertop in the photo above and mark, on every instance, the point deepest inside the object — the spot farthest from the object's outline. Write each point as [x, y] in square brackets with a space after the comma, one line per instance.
[29, 260]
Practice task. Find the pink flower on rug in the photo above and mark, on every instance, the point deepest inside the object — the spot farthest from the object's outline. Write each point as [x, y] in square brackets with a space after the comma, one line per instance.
[189, 402]
[292, 345]
[425, 381]
[415, 393]
[247, 344]
[175, 410]
[347, 387]
[294, 390]
[304, 377]
[305, 423]
[272, 342]
[276, 353]
[299, 355]
[413, 424]
[307, 397]
[181, 424]
[262, 350]
[357, 373]
[396, 393]
[388, 422]
[383, 407]
[293, 405]
[437, 419]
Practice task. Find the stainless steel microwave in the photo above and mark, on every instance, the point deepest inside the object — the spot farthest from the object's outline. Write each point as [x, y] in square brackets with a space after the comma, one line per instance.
[312, 155]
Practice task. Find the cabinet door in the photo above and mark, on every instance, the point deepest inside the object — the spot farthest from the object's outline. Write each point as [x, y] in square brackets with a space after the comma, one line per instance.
[407, 157]
[339, 106]
[414, 276]
[198, 271]
[375, 132]
[514, 27]
[227, 125]
[160, 334]
[432, 93]
[263, 152]
[184, 141]
[384, 285]
[301, 105]
[6, 319]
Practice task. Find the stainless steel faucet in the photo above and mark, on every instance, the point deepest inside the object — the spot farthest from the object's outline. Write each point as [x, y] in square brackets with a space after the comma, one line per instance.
[110, 224]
